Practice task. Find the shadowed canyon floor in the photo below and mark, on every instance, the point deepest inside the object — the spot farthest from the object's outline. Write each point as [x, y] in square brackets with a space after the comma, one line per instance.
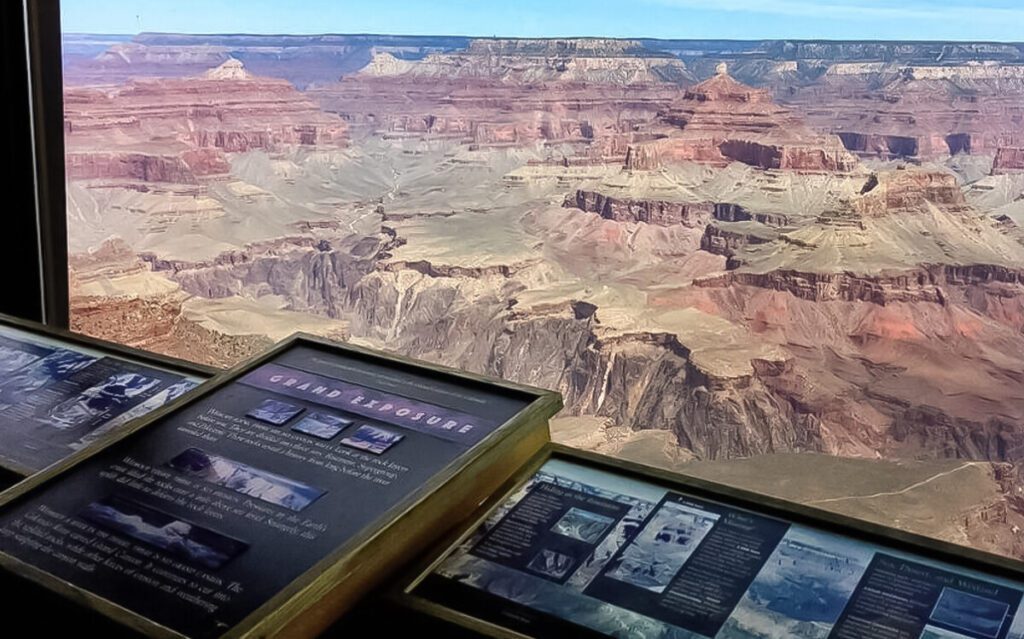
[716, 278]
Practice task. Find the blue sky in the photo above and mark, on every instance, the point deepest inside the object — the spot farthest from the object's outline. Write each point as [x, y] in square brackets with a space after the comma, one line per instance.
[1001, 20]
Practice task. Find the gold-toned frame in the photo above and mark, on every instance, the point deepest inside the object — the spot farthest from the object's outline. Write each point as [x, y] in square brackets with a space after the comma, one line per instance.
[403, 592]
[319, 595]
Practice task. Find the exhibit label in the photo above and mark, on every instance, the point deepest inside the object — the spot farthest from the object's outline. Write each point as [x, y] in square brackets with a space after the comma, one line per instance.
[580, 550]
[198, 519]
[57, 397]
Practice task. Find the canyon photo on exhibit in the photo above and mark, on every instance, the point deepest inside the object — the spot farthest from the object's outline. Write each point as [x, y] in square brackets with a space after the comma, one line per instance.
[792, 266]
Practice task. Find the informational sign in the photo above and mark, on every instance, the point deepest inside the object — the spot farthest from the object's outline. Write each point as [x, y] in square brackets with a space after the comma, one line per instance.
[57, 397]
[581, 550]
[199, 518]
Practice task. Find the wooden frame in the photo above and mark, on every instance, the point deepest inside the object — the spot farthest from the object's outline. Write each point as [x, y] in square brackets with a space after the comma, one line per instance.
[118, 351]
[319, 595]
[403, 594]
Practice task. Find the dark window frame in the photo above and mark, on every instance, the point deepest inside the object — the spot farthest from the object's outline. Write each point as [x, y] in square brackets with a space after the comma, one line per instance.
[45, 283]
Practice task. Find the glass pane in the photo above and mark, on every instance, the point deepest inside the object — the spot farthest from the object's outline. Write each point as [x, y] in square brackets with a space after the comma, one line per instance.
[796, 266]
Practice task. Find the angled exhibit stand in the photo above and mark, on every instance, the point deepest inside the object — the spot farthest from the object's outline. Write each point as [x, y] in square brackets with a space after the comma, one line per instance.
[270, 499]
[61, 392]
[580, 545]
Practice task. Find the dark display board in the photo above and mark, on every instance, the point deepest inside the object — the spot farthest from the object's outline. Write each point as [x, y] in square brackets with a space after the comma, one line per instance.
[60, 393]
[580, 549]
[240, 498]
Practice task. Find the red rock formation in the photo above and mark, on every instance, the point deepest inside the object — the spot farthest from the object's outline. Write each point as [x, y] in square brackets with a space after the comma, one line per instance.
[659, 212]
[184, 168]
[923, 284]
[729, 212]
[1008, 160]
[186, 124]
[135, 166]
[891, 111]
[907, 190]
[721, 120]
[602, 120]
[727, 242]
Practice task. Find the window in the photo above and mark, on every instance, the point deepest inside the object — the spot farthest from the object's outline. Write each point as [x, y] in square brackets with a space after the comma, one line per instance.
[794, 265]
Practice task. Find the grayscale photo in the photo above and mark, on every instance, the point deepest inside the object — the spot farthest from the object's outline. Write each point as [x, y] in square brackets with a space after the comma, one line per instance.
[245, 479]
[321, 425]
[175, 536]
[372, 439]
[582, 525]
[274, 411]
[551, 563]
[657, 553]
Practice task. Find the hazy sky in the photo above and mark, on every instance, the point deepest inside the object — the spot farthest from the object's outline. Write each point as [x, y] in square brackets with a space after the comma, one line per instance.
[739, 19]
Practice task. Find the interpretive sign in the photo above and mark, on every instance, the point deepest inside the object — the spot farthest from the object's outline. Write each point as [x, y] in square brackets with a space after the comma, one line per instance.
[585, 548]
[274, 497]
[60, 392]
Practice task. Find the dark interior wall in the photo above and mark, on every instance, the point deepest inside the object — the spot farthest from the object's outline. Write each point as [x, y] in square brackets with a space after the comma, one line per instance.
[19, 257]
[34, 249]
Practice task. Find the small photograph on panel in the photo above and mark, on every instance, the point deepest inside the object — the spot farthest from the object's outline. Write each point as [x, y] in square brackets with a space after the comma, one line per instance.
[15, 355]
[970, 612]
[274, 412]
[178, 537]
[666, 542]
[102, 399]
[245, 479]
[55, 367]
[934, 632]
[372, 439]
[321, 425]
[551, 563]
[582, 525]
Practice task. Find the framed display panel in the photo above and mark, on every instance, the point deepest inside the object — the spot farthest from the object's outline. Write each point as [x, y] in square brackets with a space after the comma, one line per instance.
[61, 392]
[266, 502]
[581, 545]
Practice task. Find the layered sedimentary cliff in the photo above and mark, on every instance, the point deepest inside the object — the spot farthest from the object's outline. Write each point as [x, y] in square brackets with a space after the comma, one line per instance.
[888, 110]
[186, 125]
[591, 60]
[721, 120]
[660, 212]
[1008, 160]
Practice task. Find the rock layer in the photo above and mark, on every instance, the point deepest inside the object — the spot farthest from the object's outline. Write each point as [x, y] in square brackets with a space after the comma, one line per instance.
[721, 120]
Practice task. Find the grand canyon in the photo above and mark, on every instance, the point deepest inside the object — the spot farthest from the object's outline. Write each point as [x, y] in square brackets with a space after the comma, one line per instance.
[793, 266]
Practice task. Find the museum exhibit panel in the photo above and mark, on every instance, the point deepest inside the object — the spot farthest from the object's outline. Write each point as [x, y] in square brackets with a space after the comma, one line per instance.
[61, 392]
[270, 499]
[583, 546]
[763, 247]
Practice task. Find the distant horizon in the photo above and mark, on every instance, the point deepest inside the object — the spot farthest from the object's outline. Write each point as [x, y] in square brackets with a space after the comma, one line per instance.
[508, 37]
[982, 21]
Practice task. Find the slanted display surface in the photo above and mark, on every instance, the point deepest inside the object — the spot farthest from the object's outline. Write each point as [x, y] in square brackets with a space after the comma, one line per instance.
[581, 549]
[57, 396]
[204, 515]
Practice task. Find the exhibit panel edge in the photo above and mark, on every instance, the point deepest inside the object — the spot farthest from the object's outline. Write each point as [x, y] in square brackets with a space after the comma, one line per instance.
[116, 350]
[325, 583]
[403, 593]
